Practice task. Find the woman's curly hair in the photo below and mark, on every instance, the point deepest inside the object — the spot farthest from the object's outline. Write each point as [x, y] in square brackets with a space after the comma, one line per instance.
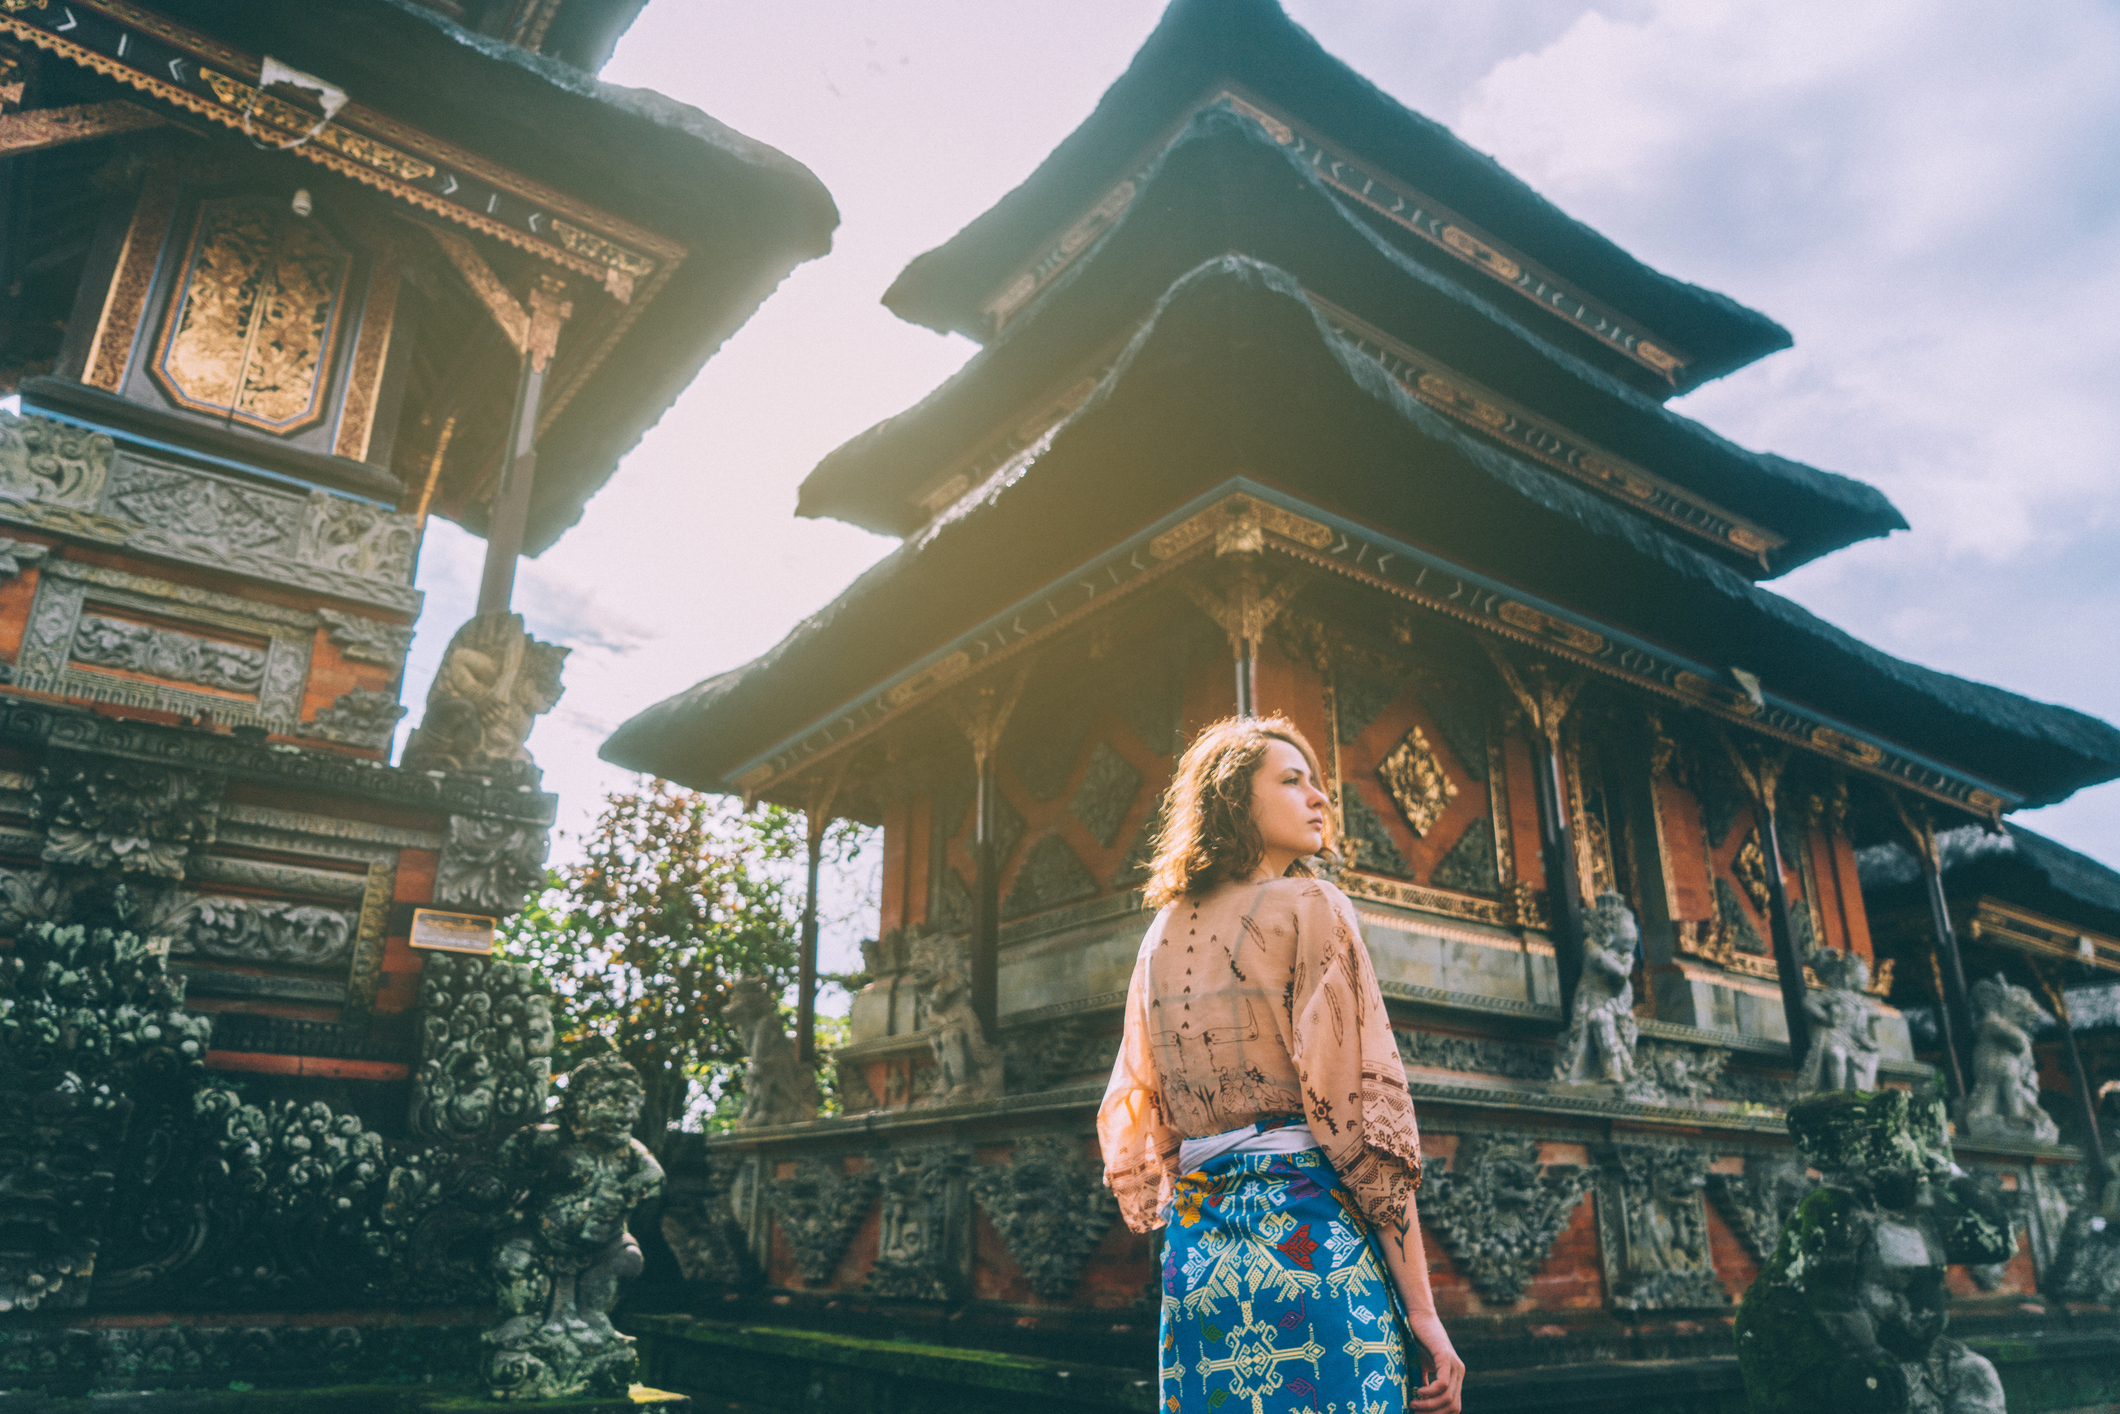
[1207, 835]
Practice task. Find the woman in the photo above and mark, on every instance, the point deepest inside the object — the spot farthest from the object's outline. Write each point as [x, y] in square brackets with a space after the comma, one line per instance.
[1259, 1110]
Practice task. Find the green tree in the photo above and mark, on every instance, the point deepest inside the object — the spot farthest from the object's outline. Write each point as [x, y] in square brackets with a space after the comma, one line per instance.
[675, 896]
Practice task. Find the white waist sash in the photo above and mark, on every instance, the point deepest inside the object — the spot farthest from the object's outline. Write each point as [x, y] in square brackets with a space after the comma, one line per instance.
[1248, 1139]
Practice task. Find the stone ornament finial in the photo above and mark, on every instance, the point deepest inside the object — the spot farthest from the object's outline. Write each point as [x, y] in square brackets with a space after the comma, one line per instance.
[1844, 1049]
[1598, 1046]
[560, 1260]
[494, 683]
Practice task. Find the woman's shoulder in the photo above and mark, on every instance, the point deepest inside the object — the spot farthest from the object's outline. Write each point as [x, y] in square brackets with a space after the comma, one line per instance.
[1300, 895]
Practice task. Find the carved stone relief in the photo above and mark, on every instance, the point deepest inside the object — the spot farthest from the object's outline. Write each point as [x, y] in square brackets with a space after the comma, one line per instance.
[1051, 1207]
[1653, 1229]
[1757, 1202]
[52, 462]
[104, 642]
[352, 537]
[968, 1068]
[701, 1226]
[924, 1247]
[359, 717]
[205, 507]
[48, 639]
[1106, 795]
[1368, 842]
[19, 555]
[1844, 1049]
[490, 866]
[361, 639]
[1598, 1046]
[261, 930]
[124, 816]
[1497, 1210]
[485, 1049]
[819, 1208]
[1470, 865]
[1044, 1054]
[1051, 875]
[1474, 1054]
[1667, 1072]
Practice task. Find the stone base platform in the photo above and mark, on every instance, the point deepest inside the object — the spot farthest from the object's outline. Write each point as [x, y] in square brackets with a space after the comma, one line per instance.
[336, 1399]
[745, 1368]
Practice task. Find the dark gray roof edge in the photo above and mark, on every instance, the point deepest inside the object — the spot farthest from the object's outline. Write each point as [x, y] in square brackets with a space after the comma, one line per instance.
[1871, 511]
[1996, 708]
[923, 291]
[1975, 855]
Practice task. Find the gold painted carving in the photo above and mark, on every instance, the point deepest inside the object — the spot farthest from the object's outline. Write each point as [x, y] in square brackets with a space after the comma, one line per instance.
[1249, 608]
[255, 316]
[533, 331]
[1417, 782]
[1750, 867]
[2024, 931]
[1239, 525]
[125, 303]
[948, 670]
[1531, 620]
[366, 972]
[1428, 900]
[1849, 748]
[364, 384]
[268, 111]
[55, 127]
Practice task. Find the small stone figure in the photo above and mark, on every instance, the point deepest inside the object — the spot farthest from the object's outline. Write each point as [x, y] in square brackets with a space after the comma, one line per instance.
[1598, 1046]
[494, 683]
[1844, 1050]
[777, 1088]
[2087, 1267]
[558, 1268]
[968, 1065]
[2003, 1102]
[1848, 1314]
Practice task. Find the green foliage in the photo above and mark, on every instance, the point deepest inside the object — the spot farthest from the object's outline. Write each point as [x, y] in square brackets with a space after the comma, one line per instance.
[676, 895]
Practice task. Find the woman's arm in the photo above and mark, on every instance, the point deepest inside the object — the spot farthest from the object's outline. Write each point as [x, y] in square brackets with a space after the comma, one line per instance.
[1438, 1362]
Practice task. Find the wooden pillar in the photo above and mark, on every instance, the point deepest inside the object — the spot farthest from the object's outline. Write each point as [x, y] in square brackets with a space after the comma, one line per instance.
[982, 715]
[1954, 1013]
[2085, 1099]
[1244, 612]
[1762, 778]
[817, 816]
[510, 517]
[1545, 702]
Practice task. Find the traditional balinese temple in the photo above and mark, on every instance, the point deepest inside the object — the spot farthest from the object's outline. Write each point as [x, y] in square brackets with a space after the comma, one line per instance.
[1287, 400]
[279, 283]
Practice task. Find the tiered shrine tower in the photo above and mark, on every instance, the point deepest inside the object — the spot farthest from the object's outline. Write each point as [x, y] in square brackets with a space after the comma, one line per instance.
[278, 284]
[1288, 400]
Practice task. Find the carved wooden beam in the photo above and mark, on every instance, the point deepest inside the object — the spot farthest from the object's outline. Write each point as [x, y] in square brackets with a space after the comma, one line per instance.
[982, 714]
[56, 127]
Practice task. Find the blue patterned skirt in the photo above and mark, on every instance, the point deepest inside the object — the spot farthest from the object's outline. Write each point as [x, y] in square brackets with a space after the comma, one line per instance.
[1276, 1299]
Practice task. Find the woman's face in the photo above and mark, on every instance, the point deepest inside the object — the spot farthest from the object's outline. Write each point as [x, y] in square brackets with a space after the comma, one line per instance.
[1287, 807]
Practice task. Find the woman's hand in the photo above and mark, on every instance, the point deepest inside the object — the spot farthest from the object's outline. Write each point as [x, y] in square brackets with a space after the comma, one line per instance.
[1443, 1372]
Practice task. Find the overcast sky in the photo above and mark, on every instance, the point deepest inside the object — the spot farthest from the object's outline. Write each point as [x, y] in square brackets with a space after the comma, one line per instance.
[1925, 194]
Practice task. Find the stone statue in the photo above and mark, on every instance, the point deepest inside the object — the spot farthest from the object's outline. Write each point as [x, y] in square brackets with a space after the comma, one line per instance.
[2087, 1267]
[968, 1066]
[494, 683]
[1598, 1046]
[2003, 1100]
[778, 1088]
[1844, 1051]
[558, 1265]
[1849, 1312]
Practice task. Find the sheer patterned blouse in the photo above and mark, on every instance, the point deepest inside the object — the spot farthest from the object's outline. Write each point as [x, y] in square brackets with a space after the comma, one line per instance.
[1253, 1000]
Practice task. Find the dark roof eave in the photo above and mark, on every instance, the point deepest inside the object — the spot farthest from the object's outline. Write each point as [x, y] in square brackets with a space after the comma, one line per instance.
[1555, 526]
[1199, 42]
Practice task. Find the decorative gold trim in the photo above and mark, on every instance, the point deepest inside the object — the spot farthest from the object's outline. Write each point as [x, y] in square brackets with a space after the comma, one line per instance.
[2006, 924]
[1417, 782]
[365, 973]
[1428, 900]
[371, 346]
[1240, 519]
[125, 302]
[1498, 806]
[1516, 427]
[41, 128]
